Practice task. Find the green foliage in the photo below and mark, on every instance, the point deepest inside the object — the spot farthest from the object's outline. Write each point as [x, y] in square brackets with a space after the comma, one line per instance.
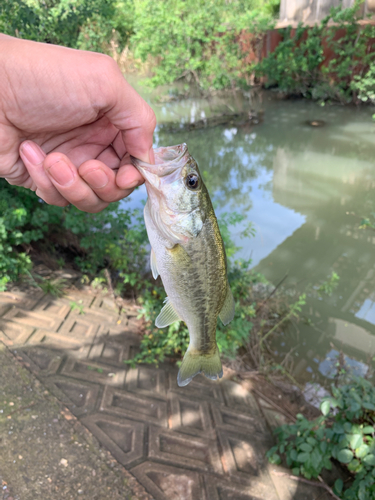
[329, 286]
[345, 432]
[115, 238]
[364, 86]
[74, 23]
[196, 39]
[295, 67]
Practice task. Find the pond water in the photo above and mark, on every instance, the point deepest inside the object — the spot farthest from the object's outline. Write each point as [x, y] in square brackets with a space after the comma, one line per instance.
[306, 190]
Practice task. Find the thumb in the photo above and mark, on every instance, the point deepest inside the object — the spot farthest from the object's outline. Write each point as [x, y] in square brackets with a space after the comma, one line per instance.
[134, 118]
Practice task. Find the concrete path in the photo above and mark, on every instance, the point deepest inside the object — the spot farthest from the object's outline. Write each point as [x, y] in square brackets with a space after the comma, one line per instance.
[206, 441]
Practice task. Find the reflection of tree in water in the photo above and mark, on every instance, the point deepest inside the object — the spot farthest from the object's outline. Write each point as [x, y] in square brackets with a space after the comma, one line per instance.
[329, 240]
[231, 159]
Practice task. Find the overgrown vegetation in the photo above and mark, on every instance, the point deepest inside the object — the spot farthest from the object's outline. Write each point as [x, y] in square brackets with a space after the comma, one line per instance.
[299, 65]
[213, 44]
[345, 433]
[114, 239]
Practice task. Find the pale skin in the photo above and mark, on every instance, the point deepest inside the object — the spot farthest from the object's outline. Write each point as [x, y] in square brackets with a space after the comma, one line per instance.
[68, 123]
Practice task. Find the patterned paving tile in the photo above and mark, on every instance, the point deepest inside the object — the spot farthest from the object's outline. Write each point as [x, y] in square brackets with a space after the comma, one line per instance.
[184, 450]
[170, 483]
[22, 299]
[188, 416]
[124, 438]
[53, 306]
[14, 334]
[135, 406]
[32, 318]
[148, 381]
[43, 361]
[205, 441]
[93, 372]
[199, 389]
[80, 397]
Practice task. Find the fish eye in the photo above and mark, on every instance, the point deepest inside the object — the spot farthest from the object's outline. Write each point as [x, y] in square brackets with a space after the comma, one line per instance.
[192, 181]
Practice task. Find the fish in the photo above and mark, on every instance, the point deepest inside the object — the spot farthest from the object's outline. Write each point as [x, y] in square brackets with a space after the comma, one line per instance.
[188, 253]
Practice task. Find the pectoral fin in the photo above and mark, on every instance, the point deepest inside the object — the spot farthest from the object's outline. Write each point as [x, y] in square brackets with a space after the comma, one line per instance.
[167, 315]
[227, 312]
[154, 267]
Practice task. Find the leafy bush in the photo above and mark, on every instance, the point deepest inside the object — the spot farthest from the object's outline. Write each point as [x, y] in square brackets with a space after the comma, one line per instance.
[298, 65]
[115, 238]
[345, 432]
[364, 86]
[196, 39]
[74, 23]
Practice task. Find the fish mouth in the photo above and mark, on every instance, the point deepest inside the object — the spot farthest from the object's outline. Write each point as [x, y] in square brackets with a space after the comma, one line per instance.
[167, 160]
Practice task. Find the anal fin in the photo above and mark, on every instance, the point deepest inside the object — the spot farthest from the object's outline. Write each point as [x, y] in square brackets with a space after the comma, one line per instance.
[167, 315]
[153, 265]
[227, 311]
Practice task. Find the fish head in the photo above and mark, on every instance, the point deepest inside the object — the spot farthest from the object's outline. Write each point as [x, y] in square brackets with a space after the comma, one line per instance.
[177, 194]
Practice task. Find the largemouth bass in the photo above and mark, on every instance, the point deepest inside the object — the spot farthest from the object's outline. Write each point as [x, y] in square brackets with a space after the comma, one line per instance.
[188, 252]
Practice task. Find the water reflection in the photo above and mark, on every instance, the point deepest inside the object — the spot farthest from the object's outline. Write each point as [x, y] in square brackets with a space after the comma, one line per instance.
[300, 186]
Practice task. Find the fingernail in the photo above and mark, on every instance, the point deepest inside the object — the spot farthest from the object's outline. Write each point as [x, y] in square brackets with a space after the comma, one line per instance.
[32, 152]
[96, 178]
[61, 173]
[134, 184]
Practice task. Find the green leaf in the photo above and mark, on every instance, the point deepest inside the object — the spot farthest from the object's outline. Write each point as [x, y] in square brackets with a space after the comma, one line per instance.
[369, 429]
[345, 456]
[303, 457]
[305, 447]
[362, 451]
[369, 459]
[356, 441]
[325, 407]
[296, 471]
[338, 486]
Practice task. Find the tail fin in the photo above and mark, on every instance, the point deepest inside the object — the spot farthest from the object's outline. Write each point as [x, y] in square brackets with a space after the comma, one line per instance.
[195, 362]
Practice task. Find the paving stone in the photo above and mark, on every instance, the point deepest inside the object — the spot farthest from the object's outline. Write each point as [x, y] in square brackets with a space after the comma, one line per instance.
[53, 306]
[170, 483]
[134, 406]
[148, 381]
[189, 416]
[93, 372]
[4, 308]
[32, 318]
[80, 397]
[53, 339]
[235, 421]
[79, 326]
[105, 303]
[199, 389]
[14, 334]
[218, 489]
[21, 299]
[236, 396]
[243, 458]
[41, 360]
[184, 450]
[124, 438]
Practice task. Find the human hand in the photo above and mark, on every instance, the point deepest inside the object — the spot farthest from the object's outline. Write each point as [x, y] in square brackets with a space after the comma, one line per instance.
[68, 123]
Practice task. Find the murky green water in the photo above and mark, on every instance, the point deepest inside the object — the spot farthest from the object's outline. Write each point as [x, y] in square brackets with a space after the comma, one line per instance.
[306, 190]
